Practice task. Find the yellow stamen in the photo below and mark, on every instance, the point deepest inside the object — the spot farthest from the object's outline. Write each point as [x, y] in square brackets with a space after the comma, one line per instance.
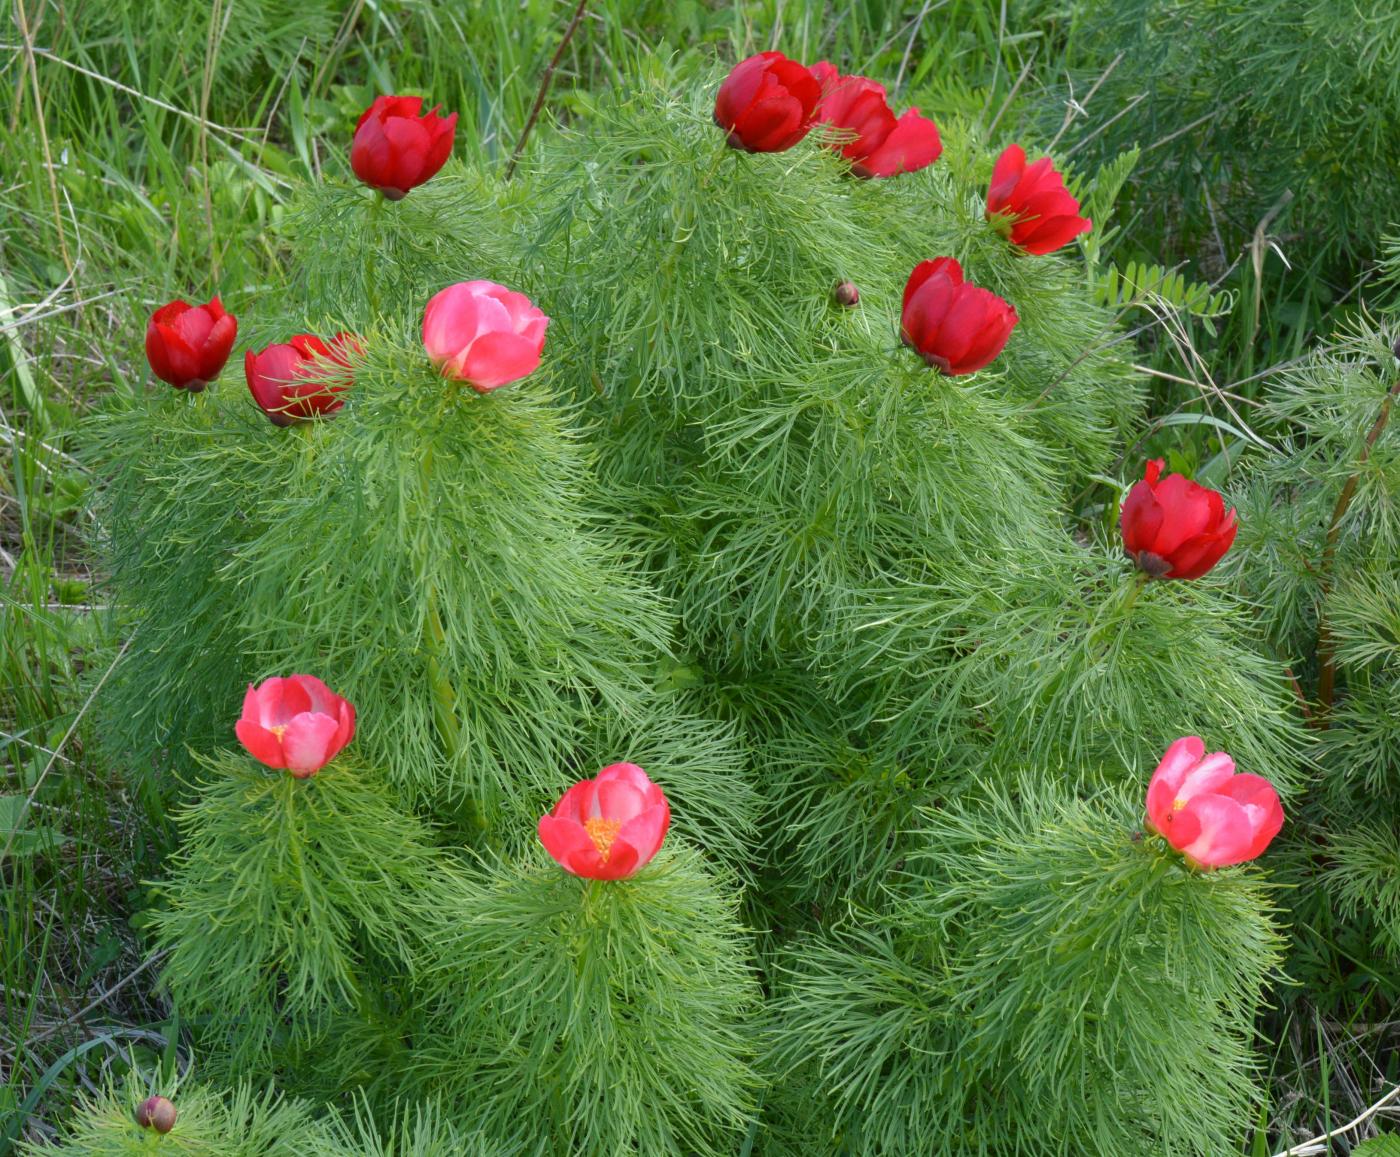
[277, 731]
[602, 833]
[1178, 804]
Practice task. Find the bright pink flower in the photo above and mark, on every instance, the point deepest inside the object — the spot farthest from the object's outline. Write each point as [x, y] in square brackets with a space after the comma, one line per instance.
[1175, 528]
[395, 149]
[608, 827]
[953, 324]
[483, 334]
[302, 378]
[1035, 207]
[187, 345]
[765, 103]
[298, 723]
[1206, 811]
[882, 146]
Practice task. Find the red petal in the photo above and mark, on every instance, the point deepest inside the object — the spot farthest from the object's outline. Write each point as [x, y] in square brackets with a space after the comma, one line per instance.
[1005, 174]
[261, 744]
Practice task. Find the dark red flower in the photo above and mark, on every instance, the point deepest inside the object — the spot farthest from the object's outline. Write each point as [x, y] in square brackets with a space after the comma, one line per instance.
[187, 345]
[876, 143]
[395, 149]
[1032, 203]
[954, 325]
[766, 102]
[1175, 528]
[302, 378]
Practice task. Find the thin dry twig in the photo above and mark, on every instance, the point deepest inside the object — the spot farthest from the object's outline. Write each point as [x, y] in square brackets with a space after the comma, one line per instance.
[1319, 1144]
[544, 88]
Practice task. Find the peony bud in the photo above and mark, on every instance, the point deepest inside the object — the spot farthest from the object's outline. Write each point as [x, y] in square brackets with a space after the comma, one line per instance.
[297, 723]
[483, 334]
[302, 378]
[952, 324]
[1174, 528]
[395, 149]
[766, 102]
[875, 142]
[187, 345]
[846, 293]
[156, 1113]
[608, 827]
[1204, 810]
[1032, 204]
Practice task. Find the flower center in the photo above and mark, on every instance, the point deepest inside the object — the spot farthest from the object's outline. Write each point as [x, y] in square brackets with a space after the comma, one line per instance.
[1178, 804]
[277, 731]
[602, 832]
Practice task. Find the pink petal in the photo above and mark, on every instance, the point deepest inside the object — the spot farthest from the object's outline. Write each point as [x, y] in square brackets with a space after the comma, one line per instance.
[575, 804]
[645, 832]
[261, 744]
[568, 843]
[1207, 777]
[496, 359]
[307, 741]
[617, 799]
[1225, 833]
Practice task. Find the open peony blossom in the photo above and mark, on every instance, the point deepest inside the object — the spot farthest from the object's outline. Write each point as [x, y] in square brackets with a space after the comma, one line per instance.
[395, 149]
[483, 334]
[187, 345]
[298, 723]
[607, 827]
[766, 103]
[952, 324]
[1032, 204]
[1173, 527]
[300, 379]
[878, 144]
[1207, 812]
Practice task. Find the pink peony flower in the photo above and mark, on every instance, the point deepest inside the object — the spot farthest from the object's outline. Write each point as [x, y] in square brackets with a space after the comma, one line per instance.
[483, 334]
[1207, 812]
[607, 827]
[298, 723]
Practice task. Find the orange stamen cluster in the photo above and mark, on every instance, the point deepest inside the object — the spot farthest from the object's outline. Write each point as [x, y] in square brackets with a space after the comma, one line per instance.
[602, 832]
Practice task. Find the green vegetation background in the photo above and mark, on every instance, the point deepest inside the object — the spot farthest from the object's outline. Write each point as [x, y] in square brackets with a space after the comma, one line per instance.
[147, 149]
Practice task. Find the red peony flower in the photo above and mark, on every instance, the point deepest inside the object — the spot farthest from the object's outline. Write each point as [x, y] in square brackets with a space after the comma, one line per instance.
[1175, 528]
[483, 334]
[298, 723]
[608, 827]
[765, 103]
[187, 345]
[395, 149]
[881, 146]
[954, 325]
[1033, 204]
[302, 378]
[1206, 811]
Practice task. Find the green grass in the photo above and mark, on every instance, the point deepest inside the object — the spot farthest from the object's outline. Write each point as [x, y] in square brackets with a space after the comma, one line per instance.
[147, 148]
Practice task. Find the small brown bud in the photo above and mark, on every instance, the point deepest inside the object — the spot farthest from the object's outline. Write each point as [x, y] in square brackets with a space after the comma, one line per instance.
[156, 1113]
[1395, 349]
[846, 293]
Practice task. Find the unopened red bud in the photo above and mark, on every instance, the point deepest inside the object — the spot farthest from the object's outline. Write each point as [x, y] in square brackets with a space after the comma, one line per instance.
[846, 293]
[156, 1113]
